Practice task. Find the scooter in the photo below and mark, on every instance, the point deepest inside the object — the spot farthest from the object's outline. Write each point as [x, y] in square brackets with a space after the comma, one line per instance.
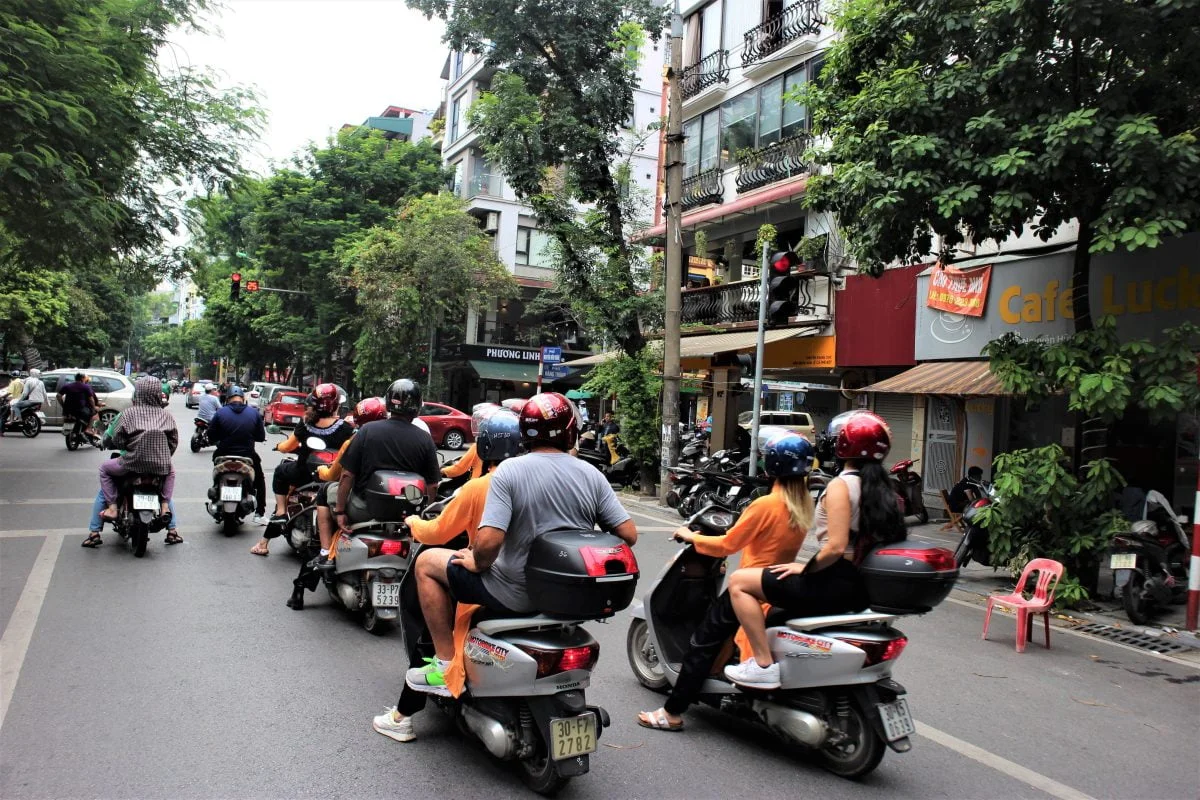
[139, 510]
[975, 544]
[614, 460]
[300, 529]
[837, 697]
[31, 421]
[909, 486]
[231, 497]
[683, 480]
[200, 435]
[1150, 563]
[694, 449]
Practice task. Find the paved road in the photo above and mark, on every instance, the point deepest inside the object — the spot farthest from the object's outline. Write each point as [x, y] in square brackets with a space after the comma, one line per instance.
[184, 675]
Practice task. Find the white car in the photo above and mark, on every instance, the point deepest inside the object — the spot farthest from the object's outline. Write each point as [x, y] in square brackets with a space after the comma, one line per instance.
[196, 392]
[114, 390]
[795, 421]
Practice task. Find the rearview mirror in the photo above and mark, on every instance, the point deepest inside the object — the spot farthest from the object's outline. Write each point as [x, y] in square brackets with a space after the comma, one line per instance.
[413, 493]
[314, 443]
[274, 429]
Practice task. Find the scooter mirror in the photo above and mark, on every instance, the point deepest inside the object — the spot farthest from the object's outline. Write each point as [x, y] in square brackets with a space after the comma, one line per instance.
[314, 443]
[413, 494]
[274, 429]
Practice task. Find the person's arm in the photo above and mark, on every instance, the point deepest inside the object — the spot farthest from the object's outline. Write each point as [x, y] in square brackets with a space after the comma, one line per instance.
[611, 515]
[463, 465]
[215, 431]
[333, 472]
[460, 514]
[260, 429]
[289, 445]
[433, 473]
[484, 550]
[345, 485]
[748, 526]
[837, 511]
[626, 532]
[172, 437]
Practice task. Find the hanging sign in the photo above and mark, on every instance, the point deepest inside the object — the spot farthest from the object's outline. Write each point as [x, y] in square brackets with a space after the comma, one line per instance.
[959, 291]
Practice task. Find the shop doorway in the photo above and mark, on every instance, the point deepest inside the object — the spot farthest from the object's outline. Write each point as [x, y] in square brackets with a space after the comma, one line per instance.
[943, 421]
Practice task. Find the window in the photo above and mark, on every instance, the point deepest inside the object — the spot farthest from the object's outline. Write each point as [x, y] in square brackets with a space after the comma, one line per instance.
[703, 34]
[739, 125]
[484, 179]
[458, 65]
[433, 411]
[770, 99]
[700, 148]
[51, 383]
[103, 385]
[457, 186]
[455, 113]
[795, 116]
[533, 248]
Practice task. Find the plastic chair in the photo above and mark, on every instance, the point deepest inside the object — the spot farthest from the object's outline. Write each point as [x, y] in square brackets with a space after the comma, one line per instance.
[956, 520]
[1049, 572]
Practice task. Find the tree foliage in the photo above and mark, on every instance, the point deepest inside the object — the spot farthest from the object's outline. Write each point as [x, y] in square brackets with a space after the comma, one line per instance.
[971, 120]
[637, 382]
[420, 270]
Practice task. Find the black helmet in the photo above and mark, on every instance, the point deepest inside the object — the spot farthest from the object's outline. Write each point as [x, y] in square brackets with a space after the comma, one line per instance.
[403, 397]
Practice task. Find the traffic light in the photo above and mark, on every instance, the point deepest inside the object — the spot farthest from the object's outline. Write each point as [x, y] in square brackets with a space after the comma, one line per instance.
[252, 285]
[235, 286]
[746, 363]
[781, 288]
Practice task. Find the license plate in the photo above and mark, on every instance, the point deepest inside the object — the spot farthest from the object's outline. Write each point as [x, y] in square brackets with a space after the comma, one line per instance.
[897, 722]
[145, 502]
[1122, 561]
[572, 736]
[385, 595]
[231, 493]
[292, 420]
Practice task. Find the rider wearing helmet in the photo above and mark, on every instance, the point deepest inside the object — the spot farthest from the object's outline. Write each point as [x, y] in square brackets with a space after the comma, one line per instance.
[321, 421]
[235, 429]
[470, 460]
[858, 510]
[770, 531]
[547, 489]
[498, 438]
[32, 393]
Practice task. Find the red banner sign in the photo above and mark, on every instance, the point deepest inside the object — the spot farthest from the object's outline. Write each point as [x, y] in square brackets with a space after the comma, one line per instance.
[959, 291]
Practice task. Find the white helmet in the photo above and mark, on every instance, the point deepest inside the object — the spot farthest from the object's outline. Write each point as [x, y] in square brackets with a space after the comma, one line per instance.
[35, 372]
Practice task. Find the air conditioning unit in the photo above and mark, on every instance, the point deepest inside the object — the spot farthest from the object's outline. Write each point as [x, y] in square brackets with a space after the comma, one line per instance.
[491, 223]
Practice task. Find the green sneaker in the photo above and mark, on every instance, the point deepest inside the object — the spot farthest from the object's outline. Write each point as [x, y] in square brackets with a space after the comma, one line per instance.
[430, 678]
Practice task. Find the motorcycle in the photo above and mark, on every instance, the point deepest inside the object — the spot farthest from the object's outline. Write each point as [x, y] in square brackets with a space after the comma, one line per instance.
[527, 674]
[231, 497]
[837, 698]
[694, 449]
[139, 510]
[200, 435]
[909, 486]
[75, 433]
[300, 528]
[613, 460]
[1150, 563]
[975, 544]
[683, 480]
[30, 423]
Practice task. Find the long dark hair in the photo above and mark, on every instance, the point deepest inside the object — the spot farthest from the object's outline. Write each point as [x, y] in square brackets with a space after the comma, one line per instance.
[880, 520]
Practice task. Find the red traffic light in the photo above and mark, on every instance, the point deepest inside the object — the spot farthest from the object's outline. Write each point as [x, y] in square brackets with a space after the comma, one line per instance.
[784, 262]
[251, 285]
[235, 277]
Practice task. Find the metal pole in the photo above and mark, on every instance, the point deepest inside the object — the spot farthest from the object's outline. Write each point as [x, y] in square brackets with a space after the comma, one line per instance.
[758, 360]
[1193, 598]
[674, 268]
[429, 358]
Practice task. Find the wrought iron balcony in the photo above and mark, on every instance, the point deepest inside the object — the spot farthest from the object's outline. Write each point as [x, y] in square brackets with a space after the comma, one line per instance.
[783, 159]
[738, 302]
[703, 188]
[708, 71]
[802, 19]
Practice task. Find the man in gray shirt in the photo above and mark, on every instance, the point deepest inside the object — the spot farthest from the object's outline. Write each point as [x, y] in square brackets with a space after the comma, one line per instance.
[546, 490]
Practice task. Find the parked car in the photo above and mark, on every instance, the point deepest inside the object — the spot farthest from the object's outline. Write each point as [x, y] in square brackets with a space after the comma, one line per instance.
[448, 426]
[199, 388]
[795, 421]
[264, 389]
[114, 390]
[270, 391]
[286, 409]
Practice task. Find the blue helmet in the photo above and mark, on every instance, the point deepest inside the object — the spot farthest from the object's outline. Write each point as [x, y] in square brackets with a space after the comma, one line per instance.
[499, 436]
[787, 454]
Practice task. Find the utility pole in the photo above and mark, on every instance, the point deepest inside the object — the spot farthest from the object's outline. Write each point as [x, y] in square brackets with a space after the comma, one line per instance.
[674, 272]
[758, 361]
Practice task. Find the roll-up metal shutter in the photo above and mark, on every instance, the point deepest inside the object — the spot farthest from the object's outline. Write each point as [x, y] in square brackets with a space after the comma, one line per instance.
[897, 410]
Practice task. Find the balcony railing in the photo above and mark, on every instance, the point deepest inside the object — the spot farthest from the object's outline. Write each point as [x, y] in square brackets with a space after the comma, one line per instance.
[703, 188]
[783, 159]
[795, 21]
[738, 302]
[708, 71]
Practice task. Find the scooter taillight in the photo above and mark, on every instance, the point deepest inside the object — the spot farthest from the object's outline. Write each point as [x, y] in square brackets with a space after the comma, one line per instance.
[387, 547]
[878, 652]
[552, 662]
[599, 561]
[938, 558]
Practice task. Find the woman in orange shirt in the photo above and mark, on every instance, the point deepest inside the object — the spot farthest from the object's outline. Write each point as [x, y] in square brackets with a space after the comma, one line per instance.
[498, 438]
[470, 460]
[770, 531]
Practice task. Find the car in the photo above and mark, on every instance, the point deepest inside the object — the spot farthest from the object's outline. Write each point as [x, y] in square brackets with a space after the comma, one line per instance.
[286, 409]
[269, 391]
[795, 421]
[198, 390]
[114, 390]
[448, 426]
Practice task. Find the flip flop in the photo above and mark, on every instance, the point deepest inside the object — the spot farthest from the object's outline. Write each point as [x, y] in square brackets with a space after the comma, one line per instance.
[260, 551]
[657, 721]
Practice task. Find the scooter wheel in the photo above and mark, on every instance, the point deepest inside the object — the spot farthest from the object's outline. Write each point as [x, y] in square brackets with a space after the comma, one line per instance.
[859, 753]
[1137, 605]
[539, 773]
[643, 658]
[372, 624]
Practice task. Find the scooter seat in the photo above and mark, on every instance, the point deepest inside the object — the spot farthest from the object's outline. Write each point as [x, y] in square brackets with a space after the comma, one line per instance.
[505, 622]
[835, 620]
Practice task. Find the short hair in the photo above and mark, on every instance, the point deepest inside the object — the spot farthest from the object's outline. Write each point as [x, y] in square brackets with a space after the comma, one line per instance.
[975, 472]
[79, 376]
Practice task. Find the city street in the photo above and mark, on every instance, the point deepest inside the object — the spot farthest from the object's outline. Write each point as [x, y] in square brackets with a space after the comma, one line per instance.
[184, 675]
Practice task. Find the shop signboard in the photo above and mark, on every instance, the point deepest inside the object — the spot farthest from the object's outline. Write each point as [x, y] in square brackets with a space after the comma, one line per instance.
[1147, 291]
[801, 352]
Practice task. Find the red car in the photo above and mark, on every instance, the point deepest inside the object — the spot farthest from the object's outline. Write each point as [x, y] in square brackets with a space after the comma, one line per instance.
[448, 426]
[286, 409]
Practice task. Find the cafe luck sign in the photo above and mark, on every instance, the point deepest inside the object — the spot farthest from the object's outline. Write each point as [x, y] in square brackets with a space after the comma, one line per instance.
[959, 291]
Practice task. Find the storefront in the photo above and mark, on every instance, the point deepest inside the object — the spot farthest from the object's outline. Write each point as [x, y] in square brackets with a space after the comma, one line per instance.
[491, 373]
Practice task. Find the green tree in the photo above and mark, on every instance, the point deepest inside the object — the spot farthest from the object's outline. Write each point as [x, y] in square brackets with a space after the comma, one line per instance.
[423, 268]
[975, 119]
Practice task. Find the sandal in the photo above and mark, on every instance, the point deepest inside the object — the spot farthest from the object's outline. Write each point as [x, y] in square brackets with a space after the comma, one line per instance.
[93, 540]
[657, 720]
[173, 537]
[260, 550]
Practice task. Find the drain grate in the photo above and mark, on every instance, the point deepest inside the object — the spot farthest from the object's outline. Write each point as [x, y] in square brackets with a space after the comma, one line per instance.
[1142, 641]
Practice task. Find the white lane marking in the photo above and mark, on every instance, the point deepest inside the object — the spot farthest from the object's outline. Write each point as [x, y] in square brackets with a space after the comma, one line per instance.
[59, 501]
[42, 532]
[14, 644]
[656, 528]
[1001, 764]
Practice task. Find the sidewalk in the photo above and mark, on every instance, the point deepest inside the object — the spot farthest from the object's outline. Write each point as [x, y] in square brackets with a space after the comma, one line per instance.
[976, 582]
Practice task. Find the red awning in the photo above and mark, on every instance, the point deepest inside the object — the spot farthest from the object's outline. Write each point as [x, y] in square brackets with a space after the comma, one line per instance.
[746, 203]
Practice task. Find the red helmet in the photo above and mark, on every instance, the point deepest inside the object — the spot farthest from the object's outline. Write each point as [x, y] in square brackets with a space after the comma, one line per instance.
[549, 419]
[863, 435]
[369, 410]
[324, 399]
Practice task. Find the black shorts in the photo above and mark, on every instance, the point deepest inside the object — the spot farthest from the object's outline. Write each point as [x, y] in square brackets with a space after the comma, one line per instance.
[837, 589]
[327, 495]
[467, 587]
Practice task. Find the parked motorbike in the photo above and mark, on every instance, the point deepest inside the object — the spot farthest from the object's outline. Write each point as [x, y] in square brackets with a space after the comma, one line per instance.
[694, 449]
[527, 674]
[139, 510]
[231, 497]
[1150, 563]
[613, 460]
[909, 486]
[200, 435]
[683, 480]
[975, 544]
[30, 422]
[837, 697]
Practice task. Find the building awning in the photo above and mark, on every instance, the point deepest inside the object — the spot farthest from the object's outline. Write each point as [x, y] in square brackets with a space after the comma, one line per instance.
[706, 344]
[776, 194]
[963, 378]
[503, 371]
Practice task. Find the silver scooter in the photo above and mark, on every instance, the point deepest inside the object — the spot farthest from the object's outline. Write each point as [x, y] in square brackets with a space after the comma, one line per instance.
[231, 497]
[837, 696]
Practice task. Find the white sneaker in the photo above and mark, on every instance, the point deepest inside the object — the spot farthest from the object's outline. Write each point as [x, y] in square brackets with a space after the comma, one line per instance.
[401, 731]
[261, 519]
[750, 674]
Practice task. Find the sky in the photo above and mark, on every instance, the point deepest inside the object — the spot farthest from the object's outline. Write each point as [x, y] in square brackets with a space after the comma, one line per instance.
[318, 64]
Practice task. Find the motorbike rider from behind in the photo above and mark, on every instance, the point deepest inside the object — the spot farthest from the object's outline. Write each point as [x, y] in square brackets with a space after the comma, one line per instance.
[209, 403]
[235, 429]
[78, 401]
[470, 462]
[858, 510]
[770, 531]
[497, 439]
[547, 489]
[32, 393]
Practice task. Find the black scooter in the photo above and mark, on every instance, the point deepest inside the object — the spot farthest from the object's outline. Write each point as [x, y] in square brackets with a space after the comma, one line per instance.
[1150, 563]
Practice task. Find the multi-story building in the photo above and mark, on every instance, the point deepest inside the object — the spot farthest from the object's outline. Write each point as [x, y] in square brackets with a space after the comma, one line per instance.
[187, 301]
[495, 355]
[404, 124]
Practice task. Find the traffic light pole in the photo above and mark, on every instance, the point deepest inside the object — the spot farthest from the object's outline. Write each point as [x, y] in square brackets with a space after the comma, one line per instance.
[758, 360]
[674, 268]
